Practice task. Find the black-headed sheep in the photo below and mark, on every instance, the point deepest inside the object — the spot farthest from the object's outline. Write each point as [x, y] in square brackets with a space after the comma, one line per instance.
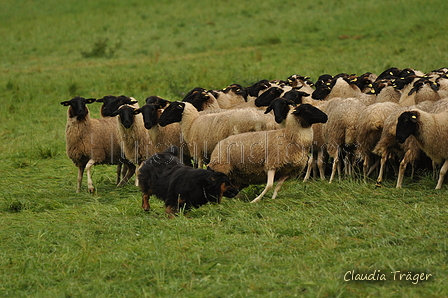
[257, 157]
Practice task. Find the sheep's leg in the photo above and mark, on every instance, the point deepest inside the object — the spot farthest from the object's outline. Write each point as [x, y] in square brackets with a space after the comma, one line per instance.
[130, 172]
[279, 185]
[271, 175]
[366, 164]
[119, 166]
[89, 165]
[320, 164]
[403, 164]
[335, 167]
[308, 169]
[137, 172]
[442, 173]
[382, 166]
[80, 173]
[373, 167]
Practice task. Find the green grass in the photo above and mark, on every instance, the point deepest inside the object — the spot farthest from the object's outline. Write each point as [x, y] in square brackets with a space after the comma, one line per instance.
[57, 243]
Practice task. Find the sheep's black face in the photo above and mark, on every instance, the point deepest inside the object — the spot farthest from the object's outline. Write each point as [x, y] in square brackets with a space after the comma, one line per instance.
[321, 92]
[407, 125]
[310, 115]
[280, 106]
[295, 96]
[126, 116]
[78, 106]
[150, 115]
[268, 96]
[173, 113]
[197, 97]
[112, 103]
[157, 101]
[255, 89]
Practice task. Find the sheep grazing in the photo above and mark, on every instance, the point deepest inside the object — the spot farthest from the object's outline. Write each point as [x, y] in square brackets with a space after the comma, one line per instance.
[179, 186]
[203, 131]
[254, 157]
[134, 139]
[428, 131]
[91, 141]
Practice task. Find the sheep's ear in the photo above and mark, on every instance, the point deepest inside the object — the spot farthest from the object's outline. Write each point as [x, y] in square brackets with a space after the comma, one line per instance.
[137, 111]
[115, 113]
[414, 118]
[133, 102]
[268, 110]
[435, 86]
[90, 100]
[65, 103]
[412, 91]
[100, 100]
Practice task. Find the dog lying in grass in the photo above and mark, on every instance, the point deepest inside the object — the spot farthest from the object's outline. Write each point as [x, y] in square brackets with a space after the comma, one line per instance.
[181, 186]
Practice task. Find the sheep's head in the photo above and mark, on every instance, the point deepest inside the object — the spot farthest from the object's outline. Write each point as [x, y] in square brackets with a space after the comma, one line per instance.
[173, 113]
[112, 103]
[78, 106]
[407, 125]
[295, 95]
[255, 89]
[299, 81]
[157, 100]
[127, 114]
[150, 114]
[309, 115]
[280, 106]
[197, 97]
[268, 96]
[237, 90]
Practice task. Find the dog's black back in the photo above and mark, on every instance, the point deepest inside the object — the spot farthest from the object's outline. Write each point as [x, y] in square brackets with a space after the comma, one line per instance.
[178, 185]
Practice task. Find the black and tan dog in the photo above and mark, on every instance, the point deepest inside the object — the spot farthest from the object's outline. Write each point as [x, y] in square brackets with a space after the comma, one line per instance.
[181, 186]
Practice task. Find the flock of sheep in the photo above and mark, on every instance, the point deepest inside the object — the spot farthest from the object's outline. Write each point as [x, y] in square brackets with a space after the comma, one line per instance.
[274, 130]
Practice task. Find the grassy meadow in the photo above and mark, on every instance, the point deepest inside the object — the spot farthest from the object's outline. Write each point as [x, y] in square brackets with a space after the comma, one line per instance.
[55, 242]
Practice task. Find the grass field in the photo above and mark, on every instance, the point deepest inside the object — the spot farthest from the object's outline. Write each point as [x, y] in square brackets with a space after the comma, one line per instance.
[58, 243]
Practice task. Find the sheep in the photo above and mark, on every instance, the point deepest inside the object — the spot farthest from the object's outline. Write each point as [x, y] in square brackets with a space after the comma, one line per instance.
[428, 130]
[203, 132]
[423, 89]
[253, 157]
[388, 146]
[91, 141]
[163, 137]
[304, 83]
[134, 139]
[369, 126]
[340, 130]
[110, 104]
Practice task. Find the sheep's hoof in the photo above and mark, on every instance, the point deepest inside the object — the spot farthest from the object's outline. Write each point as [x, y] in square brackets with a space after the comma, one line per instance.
[378, 184]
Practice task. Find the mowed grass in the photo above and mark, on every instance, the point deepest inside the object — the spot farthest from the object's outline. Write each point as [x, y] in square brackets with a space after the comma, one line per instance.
[57, 243]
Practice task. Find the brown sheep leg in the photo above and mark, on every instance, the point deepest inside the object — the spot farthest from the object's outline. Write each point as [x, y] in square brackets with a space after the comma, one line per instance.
[270, 183]
[129, 173]
[321, 164]
[382, 166]
[442, 173]
[309, 167]
[80, 173]
[403, 164]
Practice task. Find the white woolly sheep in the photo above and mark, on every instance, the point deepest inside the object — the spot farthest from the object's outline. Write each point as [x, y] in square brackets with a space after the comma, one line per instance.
[91, 141]
[340, 130]
[203, 131]
[257, 157]
[369, 126]
[428, 130]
